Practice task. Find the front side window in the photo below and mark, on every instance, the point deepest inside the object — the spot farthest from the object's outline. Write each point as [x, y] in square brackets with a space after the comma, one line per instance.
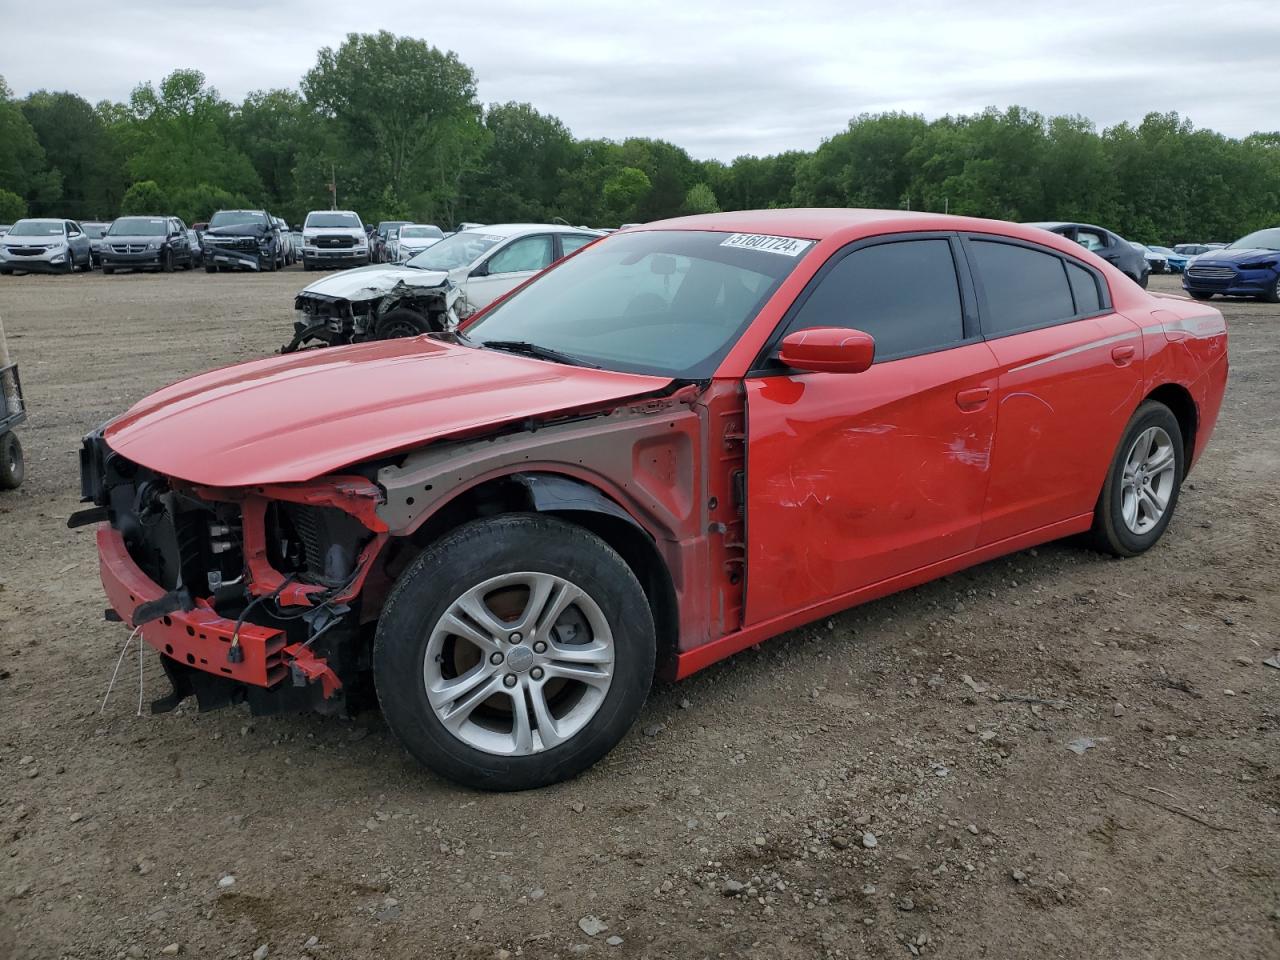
[1023, 288]
[665, 302]
[527, 253]
[905, 294]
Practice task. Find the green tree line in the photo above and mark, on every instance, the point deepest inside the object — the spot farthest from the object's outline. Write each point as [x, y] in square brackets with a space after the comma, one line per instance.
[396, 124]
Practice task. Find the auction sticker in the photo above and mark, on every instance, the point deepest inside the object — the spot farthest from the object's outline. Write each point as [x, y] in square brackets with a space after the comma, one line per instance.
[786, 246]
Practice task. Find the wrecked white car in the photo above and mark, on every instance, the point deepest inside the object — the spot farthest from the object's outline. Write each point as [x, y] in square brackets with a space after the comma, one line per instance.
[431, 291]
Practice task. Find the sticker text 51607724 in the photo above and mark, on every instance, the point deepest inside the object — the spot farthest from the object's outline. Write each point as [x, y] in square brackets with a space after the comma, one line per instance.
[786, 246]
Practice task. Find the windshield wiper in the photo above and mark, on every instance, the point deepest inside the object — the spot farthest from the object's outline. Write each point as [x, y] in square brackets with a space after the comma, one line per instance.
[541, 353]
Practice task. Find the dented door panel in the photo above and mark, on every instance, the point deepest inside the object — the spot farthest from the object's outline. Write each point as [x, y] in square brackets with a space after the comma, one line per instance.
[852, 479]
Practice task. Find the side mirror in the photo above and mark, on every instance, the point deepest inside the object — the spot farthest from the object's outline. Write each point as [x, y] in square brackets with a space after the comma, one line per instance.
[481, 270]
[828, 350]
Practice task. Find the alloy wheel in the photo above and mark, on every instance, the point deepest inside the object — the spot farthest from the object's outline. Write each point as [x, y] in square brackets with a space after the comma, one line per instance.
[519, 663]
[1148, 480]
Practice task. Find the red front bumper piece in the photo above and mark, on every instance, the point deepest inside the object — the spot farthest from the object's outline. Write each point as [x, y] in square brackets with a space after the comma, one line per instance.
[199, 638]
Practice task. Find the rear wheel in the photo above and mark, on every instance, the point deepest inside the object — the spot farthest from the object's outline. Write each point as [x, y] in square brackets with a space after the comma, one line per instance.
[514, 653]
[12, 466]
[1141, 489]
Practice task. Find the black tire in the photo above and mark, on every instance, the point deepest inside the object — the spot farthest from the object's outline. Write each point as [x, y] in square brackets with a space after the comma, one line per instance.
[1200, 295]
[267, 266]
[1142, 280]
[12, 466]
[70, 266]
[1273, 293]
[166, 261]
[403, 322]
[1110, 533]
[470, 555]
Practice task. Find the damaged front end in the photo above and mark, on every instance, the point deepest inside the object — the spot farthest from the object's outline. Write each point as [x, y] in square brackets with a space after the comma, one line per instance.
[378, 310]
[250, 594]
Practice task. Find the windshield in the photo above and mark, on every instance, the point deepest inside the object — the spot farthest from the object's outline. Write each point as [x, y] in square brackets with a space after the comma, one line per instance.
[228, 218]
[36, 228]
[138, 227]
[460, 250]
[667, 302]
[421, 231]
[1261, 240]
[1162, 250]
[94, 231]
[386, 226]
[348, 220]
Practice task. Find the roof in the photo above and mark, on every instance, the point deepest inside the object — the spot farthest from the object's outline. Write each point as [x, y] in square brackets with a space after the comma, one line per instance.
[844, 224]
[513, 229]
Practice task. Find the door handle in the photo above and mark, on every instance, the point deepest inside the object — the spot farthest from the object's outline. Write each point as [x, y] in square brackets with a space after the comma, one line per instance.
[973, 399]
[1122, 355]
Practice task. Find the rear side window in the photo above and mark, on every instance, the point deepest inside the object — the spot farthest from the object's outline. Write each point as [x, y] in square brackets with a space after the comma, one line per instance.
[1085, 290]
[905, 294]
[1023, 288]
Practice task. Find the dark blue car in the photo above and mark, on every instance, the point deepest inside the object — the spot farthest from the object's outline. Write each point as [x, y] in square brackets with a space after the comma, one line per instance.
[1250, 267]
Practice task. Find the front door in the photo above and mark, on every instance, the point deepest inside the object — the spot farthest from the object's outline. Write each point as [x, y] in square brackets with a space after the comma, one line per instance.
[509, 267]
[853, 479]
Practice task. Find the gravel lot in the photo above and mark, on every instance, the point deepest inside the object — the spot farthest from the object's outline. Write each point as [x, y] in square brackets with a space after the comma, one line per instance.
[893, 782]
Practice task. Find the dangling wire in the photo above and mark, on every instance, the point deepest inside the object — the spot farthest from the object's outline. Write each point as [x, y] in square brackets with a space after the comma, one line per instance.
[116, 671]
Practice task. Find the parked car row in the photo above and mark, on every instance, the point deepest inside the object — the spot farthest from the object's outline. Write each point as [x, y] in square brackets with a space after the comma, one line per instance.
[232, 239]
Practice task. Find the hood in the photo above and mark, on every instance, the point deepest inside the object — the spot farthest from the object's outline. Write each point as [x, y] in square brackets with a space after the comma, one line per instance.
[1246, 255]
[293, 418]
[239, 230]
[376, 280]
[356, 232]
[131, 238]
[9, 240]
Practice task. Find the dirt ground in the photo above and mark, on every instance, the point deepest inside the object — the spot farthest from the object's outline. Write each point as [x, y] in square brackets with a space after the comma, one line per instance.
[891, 783]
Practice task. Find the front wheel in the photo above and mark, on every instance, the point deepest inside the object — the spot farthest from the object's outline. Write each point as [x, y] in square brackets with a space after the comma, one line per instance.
[514, 653]
[402, 322]
[12, 465]
[1273, 292]
[1141, 489]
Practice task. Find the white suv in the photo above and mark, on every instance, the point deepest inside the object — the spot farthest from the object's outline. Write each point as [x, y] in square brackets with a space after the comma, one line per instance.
[334, 238]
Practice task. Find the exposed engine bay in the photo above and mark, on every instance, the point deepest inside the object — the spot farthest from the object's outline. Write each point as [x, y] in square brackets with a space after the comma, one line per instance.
[376, 312]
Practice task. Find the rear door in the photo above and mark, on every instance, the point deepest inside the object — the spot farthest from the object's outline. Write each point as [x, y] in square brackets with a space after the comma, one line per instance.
[856, 478]
[1070, 376]
[509, 267]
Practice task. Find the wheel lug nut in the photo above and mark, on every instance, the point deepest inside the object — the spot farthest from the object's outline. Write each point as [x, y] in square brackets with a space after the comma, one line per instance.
[516, 638]
[536, 673]
[539, 647]
[495, 658]
[509, 680]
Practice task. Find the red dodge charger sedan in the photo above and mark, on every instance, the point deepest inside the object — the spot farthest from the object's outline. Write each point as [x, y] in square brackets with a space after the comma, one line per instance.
[683, 440]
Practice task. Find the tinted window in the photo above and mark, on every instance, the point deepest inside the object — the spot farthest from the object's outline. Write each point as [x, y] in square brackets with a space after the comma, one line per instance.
[527, 253]
[1085, 290]
[1024, 288]
[904, 294]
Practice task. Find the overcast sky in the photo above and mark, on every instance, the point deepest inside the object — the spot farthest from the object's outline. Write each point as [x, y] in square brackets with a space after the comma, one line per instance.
[718, 77]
